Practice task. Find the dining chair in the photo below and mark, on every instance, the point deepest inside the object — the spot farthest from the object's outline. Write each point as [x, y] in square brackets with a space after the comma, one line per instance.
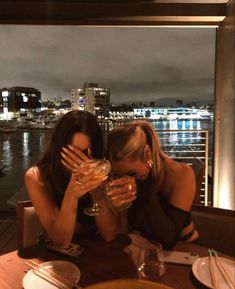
[216, 228]
[28, 225]
[198, 167]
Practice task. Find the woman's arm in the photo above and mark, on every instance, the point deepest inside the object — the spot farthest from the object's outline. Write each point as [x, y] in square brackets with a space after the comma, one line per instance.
[58, 223]
[182, 197]
[108, 224]
[113, 222]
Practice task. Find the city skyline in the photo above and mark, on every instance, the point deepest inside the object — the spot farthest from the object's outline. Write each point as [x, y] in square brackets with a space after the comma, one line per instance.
[137, 64]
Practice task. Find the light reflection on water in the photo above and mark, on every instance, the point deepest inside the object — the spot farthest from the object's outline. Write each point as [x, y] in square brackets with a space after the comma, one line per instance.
[20, 150]
[25, 150]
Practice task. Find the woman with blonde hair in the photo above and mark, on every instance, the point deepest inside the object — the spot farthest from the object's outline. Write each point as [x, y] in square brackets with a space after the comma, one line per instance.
[160, 210]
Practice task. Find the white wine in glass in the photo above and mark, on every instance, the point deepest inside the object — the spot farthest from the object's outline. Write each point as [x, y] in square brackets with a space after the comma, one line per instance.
[100, 168]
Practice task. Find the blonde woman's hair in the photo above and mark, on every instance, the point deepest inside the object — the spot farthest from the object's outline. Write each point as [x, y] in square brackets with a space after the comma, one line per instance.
[128, 141]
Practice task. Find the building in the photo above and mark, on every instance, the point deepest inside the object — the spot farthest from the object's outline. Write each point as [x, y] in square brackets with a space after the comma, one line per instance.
[19, 99]
[92, 98]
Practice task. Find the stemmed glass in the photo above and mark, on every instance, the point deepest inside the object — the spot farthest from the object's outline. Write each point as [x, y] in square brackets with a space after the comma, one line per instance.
[100, 168]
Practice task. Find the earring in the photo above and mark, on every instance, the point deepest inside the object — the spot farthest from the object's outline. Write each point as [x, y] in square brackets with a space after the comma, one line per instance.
[149, 163]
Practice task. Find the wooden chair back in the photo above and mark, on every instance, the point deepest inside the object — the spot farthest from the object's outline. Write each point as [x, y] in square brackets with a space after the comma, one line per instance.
[216, 228]
[28, 225]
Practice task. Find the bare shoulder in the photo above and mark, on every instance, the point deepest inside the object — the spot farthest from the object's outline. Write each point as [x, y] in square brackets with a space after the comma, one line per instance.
[179, 171]
[34, 183]
[32, 174]
[181, 184]
[182, 176]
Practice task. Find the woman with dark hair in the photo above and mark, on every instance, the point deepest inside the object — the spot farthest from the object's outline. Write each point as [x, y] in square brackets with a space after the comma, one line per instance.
[160, 210]
[52, 182]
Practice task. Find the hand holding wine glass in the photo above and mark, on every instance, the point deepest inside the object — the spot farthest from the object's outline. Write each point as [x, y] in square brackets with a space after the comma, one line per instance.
[121, 192]
[97, 170]
[83, 177]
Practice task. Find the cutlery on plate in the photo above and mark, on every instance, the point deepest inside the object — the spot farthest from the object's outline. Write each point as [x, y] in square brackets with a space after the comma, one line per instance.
[212, 270]
[50, 276]
[222, 269]
[213, 256]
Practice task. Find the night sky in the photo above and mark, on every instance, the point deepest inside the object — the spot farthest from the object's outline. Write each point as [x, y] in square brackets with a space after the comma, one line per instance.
[137, 64]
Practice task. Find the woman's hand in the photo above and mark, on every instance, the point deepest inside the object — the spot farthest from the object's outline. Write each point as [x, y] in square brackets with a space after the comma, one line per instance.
[86, 178]
[122, 191]
[72, 157]
[79, 185]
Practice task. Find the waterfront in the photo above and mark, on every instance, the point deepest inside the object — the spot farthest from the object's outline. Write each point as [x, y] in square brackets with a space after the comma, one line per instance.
[20, 149]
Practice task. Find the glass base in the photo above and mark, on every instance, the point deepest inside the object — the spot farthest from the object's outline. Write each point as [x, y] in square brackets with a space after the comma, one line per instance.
[95, 210]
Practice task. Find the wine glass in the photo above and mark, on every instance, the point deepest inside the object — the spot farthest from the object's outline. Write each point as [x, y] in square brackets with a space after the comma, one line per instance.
[100, 168]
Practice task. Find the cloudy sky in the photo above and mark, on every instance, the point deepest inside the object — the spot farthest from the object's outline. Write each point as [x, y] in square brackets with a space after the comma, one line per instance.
[137, 64]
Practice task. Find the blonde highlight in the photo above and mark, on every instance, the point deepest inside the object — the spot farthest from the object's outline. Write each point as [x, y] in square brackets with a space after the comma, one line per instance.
[128, 142]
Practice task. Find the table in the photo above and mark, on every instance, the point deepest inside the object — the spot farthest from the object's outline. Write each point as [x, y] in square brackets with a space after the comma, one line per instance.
[99, 262]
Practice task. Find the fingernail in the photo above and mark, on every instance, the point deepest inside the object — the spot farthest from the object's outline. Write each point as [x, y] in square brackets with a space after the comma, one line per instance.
[64, 148]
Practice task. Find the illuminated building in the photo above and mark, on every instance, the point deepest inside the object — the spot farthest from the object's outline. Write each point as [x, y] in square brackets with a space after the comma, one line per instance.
[92, 98]
[17, 99]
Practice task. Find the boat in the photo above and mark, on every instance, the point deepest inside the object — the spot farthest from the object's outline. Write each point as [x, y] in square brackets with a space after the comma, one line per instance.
[175, 113]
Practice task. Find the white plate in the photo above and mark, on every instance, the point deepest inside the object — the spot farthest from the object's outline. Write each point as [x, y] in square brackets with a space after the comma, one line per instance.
[65, 269]
[201, 271]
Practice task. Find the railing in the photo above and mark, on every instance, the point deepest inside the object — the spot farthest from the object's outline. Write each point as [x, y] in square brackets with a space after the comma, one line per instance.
[184, 146]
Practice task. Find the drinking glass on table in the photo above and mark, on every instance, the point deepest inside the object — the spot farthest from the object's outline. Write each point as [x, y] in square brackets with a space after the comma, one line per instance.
[151, 264]
[124, 187]
[99, 168]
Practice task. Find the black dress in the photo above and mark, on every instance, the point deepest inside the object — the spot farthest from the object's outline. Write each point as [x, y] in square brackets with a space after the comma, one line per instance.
[156, 219]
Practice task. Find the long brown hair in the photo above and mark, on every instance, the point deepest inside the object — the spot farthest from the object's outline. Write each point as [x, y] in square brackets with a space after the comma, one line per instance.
[128, 141]
[52, 170]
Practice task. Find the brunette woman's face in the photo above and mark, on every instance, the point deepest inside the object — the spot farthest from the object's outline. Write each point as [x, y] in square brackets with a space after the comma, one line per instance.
[136, 169]
[81, 141]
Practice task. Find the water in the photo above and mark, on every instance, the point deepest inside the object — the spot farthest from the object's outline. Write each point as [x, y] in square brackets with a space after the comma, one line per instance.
[20, 150]
[188, 125]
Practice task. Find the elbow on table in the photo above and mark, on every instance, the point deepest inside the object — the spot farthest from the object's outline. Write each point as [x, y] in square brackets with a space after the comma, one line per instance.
[59, 242]
[108, 236]
[168, 243]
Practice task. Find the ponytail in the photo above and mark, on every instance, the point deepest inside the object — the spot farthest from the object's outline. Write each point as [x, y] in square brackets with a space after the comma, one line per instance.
[158, 156]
